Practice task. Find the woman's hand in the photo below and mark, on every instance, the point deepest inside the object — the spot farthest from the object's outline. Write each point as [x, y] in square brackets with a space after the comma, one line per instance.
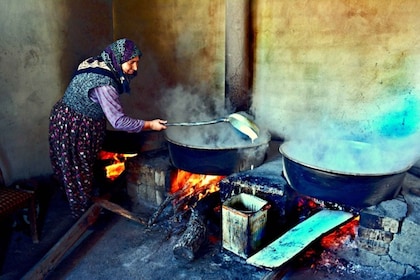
[156, 124]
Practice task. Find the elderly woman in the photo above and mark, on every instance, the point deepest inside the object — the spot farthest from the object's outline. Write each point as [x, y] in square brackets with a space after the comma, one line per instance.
[78, 120]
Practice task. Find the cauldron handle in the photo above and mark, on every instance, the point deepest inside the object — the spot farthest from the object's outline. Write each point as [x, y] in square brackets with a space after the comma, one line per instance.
[198, 123]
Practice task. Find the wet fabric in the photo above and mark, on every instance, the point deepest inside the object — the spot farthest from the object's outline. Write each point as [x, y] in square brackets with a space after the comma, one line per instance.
[75, 141]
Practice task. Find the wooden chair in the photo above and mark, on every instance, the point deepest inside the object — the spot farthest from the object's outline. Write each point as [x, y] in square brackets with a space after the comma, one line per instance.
[12, 200]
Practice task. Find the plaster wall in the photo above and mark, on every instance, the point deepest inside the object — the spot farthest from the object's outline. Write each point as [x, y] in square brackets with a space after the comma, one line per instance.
[321, 70]
[42, 43]
[182, 71]
[338, 69]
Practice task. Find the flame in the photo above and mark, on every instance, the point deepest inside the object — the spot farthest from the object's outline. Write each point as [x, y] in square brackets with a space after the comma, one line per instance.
[117, 165]
[339, 236]
[187, 185]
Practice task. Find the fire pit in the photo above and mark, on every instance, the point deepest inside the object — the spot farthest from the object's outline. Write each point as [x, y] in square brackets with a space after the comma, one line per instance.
[347, 172]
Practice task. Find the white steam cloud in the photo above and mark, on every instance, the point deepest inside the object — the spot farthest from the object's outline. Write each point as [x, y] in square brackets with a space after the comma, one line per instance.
[195, 105]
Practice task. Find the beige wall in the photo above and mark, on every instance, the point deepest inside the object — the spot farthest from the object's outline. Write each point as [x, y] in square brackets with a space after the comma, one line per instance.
[41, 43]
[330, 68]
[183, 46]
[322, 69]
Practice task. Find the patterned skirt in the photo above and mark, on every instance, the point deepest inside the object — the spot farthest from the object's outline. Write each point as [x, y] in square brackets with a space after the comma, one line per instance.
[75, 141]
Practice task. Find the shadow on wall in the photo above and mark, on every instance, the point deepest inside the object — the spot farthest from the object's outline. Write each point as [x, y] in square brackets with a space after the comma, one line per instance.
[89, 31]
[4, 161]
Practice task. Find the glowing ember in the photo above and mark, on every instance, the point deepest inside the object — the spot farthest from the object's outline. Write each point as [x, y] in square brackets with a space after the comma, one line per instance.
[320, 254]
[188, 185]
[338, 237]
[117, 165]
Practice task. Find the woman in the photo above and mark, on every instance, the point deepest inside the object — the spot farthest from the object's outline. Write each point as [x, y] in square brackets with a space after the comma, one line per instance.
[78, 119]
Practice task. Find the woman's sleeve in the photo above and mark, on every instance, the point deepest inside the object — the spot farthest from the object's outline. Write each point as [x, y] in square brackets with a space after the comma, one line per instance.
[109, 100]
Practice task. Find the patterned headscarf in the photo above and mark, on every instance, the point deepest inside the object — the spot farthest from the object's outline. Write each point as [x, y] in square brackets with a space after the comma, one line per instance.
[116, 54]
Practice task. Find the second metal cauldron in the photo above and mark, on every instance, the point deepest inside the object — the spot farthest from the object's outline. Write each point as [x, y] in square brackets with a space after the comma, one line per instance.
[357, 190]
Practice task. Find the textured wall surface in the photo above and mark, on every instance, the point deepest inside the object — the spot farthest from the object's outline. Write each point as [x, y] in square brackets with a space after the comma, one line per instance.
[337, 68]
[42, 42]
[183, 62]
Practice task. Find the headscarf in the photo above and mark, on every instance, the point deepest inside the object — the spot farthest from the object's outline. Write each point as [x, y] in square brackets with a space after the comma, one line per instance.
[116, 54]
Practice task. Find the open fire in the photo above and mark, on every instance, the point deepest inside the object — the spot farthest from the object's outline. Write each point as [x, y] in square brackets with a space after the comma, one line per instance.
[340, 235]
[308, 206]
[115, 163]
[188, 188]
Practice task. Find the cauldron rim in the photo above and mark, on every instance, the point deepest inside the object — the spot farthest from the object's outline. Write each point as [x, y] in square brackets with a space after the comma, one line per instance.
[264, 138]
[282, 150]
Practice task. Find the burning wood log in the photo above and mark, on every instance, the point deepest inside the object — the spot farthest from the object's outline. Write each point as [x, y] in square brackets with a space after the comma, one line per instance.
[181, 199]
[195, 193]
[194, 236]
[170, 198]
[157, 213]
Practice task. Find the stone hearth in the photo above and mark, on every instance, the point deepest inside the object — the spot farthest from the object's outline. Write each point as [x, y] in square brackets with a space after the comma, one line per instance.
[148, 177]
[387, 233]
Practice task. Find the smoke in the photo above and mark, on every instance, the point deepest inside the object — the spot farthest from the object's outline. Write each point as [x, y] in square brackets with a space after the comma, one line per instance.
[191, 104]
[194, 104]
[381, 137]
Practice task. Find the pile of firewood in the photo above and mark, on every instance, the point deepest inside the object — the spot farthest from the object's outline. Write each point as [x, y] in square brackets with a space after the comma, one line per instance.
[195, 234]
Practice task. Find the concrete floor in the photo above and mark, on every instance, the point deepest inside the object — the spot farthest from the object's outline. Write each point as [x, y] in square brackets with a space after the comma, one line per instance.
[117, 248]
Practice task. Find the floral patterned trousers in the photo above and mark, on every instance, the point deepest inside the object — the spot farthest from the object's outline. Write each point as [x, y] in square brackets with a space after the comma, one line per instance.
[75, 141]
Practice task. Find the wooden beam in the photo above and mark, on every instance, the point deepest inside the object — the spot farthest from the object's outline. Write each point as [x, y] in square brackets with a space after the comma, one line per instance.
[108, 205]
[56, 253]
[50, 261]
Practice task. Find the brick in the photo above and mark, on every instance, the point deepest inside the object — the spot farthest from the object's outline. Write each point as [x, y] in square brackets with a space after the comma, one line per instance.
[375, 234]
[142, 191]
[160, 197]
[150, 193]
[374, 220]
[374, 246]
[160, 178]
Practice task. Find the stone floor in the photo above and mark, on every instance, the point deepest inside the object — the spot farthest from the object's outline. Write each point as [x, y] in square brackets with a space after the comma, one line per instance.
[117, 248]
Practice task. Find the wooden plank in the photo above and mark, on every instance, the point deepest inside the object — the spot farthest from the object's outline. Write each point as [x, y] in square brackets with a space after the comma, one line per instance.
[108, 205]
[298, 238]
[56, 253]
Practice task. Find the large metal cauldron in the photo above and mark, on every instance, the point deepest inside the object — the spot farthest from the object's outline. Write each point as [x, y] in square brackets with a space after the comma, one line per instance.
[313, 176]
[215, 149]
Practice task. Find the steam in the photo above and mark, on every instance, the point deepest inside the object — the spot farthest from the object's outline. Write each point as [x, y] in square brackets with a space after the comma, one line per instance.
[381, 137]
[195, 105]
[190, 104]
[352, 157]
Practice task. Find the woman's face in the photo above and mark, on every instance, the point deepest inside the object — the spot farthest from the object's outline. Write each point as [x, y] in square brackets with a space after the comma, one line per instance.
[130, 67]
